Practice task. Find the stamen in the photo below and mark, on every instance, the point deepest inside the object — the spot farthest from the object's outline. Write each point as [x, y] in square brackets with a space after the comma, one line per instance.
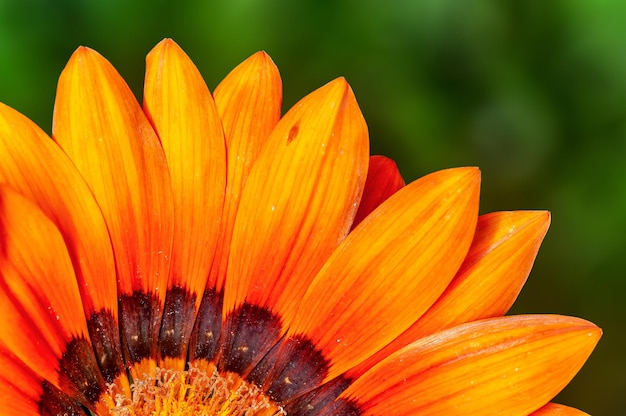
[194, 391]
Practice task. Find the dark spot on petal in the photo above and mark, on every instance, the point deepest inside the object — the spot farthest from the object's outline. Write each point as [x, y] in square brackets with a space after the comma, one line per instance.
[290, 369]
[250, 332]
[323, 401]
[208, 326]
[293, 133]
[80, 373]
[341, 407]
[140, 316]
[105, 338]
[177, 323]
[54, 402]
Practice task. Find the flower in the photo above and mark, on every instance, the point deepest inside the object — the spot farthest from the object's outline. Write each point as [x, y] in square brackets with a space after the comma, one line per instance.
[204, 255]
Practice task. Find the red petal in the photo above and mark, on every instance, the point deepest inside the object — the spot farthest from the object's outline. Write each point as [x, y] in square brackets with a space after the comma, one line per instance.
[383, 180]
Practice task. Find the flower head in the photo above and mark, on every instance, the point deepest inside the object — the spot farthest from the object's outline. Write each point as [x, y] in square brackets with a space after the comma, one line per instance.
[203, 254]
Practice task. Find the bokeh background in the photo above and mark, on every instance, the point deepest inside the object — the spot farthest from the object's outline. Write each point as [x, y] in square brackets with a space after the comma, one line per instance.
[533, 92]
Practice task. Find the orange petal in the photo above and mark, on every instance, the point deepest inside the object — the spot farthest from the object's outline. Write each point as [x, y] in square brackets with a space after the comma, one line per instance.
[298, 201]
[183, 113]
[20, 388]
[383, 180]
[40, 304]
[553, 409]
[513, 364]
[391, 268]
[499, 260]
[23, 392]
[101, 127]
[43, 322]
[249, 102]
[35, 166]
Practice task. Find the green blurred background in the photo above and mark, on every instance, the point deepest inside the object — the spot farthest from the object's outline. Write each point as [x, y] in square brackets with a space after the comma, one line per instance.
[533, 92]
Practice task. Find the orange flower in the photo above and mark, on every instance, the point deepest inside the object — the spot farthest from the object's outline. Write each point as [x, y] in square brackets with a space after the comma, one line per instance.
[204, 255]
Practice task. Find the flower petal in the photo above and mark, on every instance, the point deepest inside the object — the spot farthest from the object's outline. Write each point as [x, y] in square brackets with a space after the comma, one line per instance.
[499, 260]
[101, 127]
[183, 113]
[20, 387]
[22, 392]
[249, 102]
[493, 273]
[42, 316]
[513, 363]
[553, 409]
[298, 201]
[60, 192]
[41, 293]
[383, 180]
[391, 268]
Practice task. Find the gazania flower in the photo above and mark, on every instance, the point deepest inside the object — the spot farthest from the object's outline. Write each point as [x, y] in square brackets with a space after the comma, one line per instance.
[203, 255]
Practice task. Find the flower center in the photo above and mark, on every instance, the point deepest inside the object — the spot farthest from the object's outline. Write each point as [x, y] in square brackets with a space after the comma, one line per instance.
[195, 391]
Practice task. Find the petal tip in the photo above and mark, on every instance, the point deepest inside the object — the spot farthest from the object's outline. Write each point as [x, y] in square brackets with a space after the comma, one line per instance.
[338, 84]
[534, 218]
[82, 59]
[594, 331]
[544, 217]
[572, 323]
[471, 175]
[80, 53]
[166, 45]
[261, 59]
[262, 55]
[342, 82]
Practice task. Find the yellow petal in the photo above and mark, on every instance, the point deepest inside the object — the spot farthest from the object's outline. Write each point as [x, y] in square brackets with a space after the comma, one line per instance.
[391, 268]
[513, 364]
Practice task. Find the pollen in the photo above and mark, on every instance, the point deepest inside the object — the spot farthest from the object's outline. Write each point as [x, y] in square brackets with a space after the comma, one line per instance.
[195, 391]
